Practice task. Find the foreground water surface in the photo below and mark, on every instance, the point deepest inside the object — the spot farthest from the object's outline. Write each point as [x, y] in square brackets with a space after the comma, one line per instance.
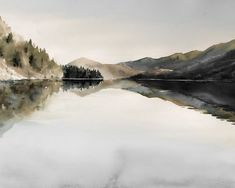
[117, 134]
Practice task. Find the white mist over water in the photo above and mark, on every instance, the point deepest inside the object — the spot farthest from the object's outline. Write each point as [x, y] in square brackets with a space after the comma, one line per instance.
[116, 138]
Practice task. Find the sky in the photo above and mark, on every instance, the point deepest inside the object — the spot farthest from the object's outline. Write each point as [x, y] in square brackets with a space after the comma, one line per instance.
[113, 31]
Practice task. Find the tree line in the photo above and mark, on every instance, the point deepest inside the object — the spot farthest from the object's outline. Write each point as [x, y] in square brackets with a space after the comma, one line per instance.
[70, 71]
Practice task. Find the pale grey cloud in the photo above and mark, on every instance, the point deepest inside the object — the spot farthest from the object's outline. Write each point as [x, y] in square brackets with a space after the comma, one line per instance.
[112, 31]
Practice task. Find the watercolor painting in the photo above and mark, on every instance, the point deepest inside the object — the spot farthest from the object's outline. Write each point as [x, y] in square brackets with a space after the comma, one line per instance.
[117, 94]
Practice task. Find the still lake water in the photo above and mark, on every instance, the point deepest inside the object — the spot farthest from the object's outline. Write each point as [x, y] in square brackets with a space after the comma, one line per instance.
[119, 134]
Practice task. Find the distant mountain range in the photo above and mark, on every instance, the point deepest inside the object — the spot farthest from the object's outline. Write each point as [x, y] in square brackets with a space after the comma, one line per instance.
[215, 63]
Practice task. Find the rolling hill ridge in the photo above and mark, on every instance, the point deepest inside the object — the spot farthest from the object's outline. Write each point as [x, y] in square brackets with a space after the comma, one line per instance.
[215, 63]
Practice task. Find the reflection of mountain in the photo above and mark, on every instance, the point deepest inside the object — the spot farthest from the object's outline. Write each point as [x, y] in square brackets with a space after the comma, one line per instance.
[215, 98]
[22, 98]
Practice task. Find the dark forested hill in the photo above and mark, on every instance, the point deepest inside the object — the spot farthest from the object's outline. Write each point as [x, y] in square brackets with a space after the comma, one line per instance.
[216, 62]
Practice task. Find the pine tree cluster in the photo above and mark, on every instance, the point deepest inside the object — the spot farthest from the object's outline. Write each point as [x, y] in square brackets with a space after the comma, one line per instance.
[70, 71]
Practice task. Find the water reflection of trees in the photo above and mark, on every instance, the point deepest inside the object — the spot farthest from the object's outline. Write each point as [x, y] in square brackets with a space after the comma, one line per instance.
[21, 98]
[24, 97]
[81, 85]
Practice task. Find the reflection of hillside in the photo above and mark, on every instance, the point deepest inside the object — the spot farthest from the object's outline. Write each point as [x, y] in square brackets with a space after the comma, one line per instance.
[21, 98]
[215, 98]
